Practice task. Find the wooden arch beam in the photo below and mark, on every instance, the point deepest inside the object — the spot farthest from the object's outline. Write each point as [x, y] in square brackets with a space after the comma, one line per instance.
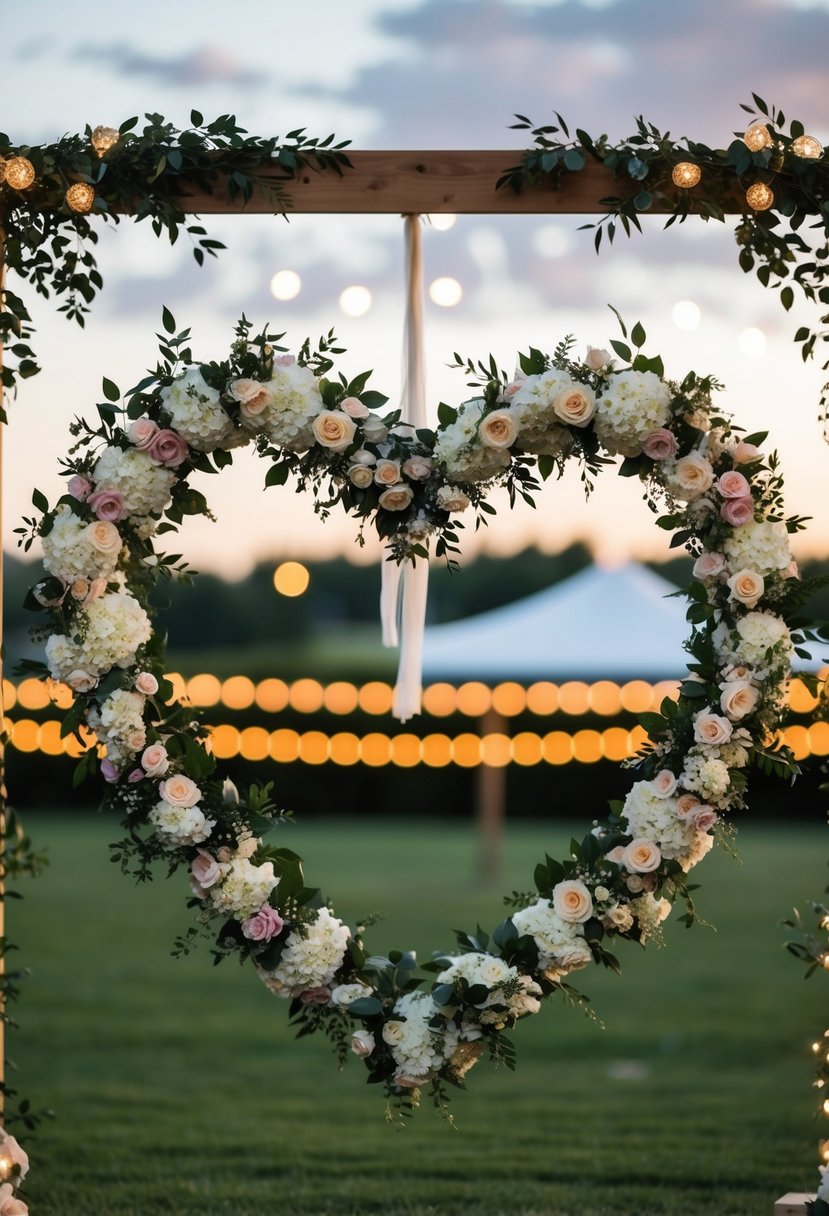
[424, 183]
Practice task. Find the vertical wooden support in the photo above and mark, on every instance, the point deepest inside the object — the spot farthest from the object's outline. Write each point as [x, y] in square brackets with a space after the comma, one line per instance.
[491, 797]
[2, 709]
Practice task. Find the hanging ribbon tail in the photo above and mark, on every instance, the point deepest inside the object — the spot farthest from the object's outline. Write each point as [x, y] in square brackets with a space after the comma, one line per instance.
[408, 689]
[391, 574]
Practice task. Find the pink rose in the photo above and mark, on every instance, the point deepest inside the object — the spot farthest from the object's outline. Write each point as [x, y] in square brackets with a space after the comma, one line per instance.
[142, 433]
[703, 819]
[205, 869]
[264, 925]
[354, 407]
[109, 771]
[284, 360]
[791, 570]
[745, 453]
[737, 511]
[9, 1205]
[154, 760]
[709, 565]
[417, 468]
[13, 1152]
[597, 358]
[733, 485]
[664, 783]
[168, 448]
[512, 388]
[79, 487]
[135, 776]
[107, 504]
[314, 996]
[81, 681]
[146, 683]
[661, 444]
[179, 790]
[686, 805]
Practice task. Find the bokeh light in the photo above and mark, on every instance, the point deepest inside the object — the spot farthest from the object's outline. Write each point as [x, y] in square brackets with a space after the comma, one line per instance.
[286, 285]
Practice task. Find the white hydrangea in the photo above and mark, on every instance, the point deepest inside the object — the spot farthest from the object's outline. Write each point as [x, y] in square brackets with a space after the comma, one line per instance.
[539, 427]
[311, 961]
[288, 418]
[701, 845]
[417, 1048]
[654, 818]
[495, 974]
[753, 637]
[561, 944]
[180, 825]
[196, 412]
[707, 776]
[111, 629]
[649, 914]
[762, 546]
[460, 453]
[144, 484]
[68, 552]
[244, 887]
[632, 405]
[121, 724]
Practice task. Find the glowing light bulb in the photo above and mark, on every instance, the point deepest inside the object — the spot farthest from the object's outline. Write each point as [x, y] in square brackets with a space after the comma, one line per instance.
[686, 315]
[446, 292]
[686, 174]
[20, 172]
[355, 301]
[760, 196]
[104, 138]
[757, 137]
[442, 223]
[807, 147]
[80, 197]
[285, 285]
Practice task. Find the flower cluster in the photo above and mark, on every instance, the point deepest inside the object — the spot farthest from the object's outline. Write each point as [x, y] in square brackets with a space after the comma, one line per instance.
[722, 497]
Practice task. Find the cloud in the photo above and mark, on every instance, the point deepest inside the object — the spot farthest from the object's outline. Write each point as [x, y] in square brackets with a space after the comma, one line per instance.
[205, 65]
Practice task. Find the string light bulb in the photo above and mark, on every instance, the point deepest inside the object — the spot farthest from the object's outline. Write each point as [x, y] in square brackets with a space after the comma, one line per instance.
[759, 196]
[757, 137]
[807, 147]
[20, 172]
[104, 138]
[686, 174]
[823, 1149]
[80, 197]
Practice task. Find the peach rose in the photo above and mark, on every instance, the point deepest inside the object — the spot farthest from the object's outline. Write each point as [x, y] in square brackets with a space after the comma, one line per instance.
[572, 901]
[81, 681]
[692, 476]
[738, 698]
[641, 857]
[179, 791]
[146, 682]
[360, 475]
[253, 397]
[737, 511]
[791, 570]
[617, 855]
[362, 1043]
[739, 672]
[576, 405]
[354, 407]
[746, 587]
[512, 388]
[85, 590]
[686, 805]
[154, 760]
[396, 498]
[9, 1204]
[597, 358]
[711, 729]
[664, 783]
[733, 485]
[16, 1154]
[142, 432]
[452, 498]
[498, 430]
[708, 565]
[746, 453]
[661, 444]
[334, 430]
[387, 473]
[418, 468]
[103, 536]
[697, 419]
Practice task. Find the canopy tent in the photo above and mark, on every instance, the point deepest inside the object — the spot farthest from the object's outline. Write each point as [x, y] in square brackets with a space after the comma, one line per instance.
[600, 624]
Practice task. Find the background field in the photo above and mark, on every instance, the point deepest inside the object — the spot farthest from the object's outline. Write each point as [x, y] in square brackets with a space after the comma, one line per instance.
[179, 1089]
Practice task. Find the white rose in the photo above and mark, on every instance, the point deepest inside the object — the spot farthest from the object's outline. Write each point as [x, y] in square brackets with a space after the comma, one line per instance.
[360, 475]
[81, 681]
[575, 405]
[362, 1043]
[418, 467]
[345, 994]
[361, 456]
[334, 430]
[597, 358]
[452, 498]
[396, 498]
[498, 430]
[708, 565]
[375, 429]
[747, 587]
[393, 1033]
[691, 476]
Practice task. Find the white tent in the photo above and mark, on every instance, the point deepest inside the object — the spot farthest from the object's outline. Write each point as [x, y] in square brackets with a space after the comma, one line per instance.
[600, 624]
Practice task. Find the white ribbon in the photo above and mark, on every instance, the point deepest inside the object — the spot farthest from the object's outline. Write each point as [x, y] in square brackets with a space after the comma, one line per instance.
[404, 588]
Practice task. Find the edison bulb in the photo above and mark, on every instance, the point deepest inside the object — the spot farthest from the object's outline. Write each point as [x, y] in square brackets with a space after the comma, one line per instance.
[757, 137]
[807, 147]
[686, 174]
[20, 172]
[80, 197]
[760, 196]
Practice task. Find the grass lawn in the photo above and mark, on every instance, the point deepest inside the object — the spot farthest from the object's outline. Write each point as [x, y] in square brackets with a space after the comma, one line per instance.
[179, 1089]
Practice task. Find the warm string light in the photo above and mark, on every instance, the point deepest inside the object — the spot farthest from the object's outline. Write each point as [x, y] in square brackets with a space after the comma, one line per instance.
[759, 196]
[20, 173]
[686, 174]
[104, 138]
[80, 197]
[757, 137]
[807, 147]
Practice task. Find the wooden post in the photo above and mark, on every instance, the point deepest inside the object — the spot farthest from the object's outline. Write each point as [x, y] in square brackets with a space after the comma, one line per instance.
[491, 798]
[2, 709]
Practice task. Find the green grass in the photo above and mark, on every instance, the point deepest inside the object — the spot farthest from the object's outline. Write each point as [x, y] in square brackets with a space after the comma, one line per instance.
[179, 1089]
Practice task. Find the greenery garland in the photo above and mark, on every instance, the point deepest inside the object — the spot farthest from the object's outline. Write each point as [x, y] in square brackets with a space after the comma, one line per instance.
[128, 483]
[49, 192]
[778, 176]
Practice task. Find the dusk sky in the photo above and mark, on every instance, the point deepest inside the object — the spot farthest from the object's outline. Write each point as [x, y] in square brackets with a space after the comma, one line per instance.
[439, 73]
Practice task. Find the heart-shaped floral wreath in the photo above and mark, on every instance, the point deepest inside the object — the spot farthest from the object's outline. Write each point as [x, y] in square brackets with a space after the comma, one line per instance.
[128, 483]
